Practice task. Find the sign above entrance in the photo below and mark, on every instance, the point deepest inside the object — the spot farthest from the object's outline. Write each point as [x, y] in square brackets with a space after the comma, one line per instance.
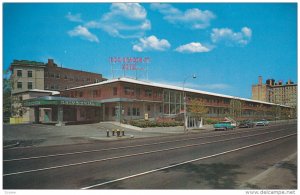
[48, 100]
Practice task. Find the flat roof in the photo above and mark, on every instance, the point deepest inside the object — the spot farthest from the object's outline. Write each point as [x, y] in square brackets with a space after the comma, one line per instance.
[39, 91]
[166, 86]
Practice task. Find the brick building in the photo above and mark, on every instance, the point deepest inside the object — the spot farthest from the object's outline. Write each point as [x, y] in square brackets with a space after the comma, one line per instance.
[27, 76]
[126, 99]
[59, 78]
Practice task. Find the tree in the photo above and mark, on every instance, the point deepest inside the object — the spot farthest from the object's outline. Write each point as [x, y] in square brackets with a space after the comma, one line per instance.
[197, 108]
[7, 100]
[235, 108]
[12, 104]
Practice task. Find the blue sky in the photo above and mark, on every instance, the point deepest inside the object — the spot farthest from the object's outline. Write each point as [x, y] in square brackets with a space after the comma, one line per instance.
[227, 45]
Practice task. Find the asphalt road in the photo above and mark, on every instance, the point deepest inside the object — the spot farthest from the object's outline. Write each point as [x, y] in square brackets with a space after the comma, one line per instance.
[212, 160]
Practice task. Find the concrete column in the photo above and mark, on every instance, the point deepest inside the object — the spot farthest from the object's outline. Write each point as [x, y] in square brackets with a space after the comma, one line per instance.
[60, 115]
[36, 115]
[103, 112]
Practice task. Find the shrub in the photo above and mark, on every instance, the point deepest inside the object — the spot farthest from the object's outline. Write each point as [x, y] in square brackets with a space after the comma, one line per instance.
[144, 124]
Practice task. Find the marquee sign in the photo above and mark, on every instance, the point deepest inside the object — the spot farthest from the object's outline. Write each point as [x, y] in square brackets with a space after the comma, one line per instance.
[66, 101]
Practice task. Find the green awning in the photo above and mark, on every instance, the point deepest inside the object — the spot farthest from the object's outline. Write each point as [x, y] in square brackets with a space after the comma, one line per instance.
[52, 100]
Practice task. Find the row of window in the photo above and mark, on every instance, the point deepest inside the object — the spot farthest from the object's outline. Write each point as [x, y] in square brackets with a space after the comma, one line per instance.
[71, 78]
[20, 74]
[132, 92]
[20, 85]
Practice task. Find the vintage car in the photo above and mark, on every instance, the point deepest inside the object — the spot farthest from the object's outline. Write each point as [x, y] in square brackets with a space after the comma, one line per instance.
[262, 122]
[224, 125]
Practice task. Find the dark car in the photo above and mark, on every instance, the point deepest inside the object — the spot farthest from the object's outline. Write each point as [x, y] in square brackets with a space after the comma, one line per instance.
[246, 124]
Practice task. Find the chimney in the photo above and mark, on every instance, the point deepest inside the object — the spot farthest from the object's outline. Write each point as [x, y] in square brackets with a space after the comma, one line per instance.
[50, 62]
[260, 80]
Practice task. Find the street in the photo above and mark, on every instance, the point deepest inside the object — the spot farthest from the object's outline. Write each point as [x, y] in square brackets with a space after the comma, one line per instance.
[207, 160]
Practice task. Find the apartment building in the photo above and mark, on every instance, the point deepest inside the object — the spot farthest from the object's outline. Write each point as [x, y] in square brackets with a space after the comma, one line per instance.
[26, 75]
[275, 92]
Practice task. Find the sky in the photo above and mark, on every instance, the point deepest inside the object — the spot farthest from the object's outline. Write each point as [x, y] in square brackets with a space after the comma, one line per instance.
[226, 45]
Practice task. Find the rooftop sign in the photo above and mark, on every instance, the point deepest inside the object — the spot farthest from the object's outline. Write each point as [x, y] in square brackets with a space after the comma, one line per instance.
[125, 64]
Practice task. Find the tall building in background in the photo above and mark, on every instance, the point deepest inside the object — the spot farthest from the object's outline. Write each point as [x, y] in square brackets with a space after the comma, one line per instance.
[26, 75]
[275, 92]
[59, 78]
[31, 79]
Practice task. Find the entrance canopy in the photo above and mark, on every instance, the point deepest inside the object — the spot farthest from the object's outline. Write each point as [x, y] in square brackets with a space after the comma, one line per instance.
[53, 100]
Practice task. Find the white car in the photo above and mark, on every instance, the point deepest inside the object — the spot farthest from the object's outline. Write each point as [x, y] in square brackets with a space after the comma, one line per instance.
[262, 122]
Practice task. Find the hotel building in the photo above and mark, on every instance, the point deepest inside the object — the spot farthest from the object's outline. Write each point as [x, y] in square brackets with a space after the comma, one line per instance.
[126, 99]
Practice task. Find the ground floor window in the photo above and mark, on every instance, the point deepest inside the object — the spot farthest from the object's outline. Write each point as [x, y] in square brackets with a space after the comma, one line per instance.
[135, 111]
[129, 112]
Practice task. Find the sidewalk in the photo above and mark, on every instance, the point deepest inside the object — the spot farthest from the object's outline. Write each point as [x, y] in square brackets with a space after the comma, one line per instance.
[275, 176]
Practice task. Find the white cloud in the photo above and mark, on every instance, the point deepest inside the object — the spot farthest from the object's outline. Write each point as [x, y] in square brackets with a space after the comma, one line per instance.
[151, 43]
[125, 20]
[191, 18]
[194, 47]
[74, 18]
[129, 10]
[84, 33]
[230, 38]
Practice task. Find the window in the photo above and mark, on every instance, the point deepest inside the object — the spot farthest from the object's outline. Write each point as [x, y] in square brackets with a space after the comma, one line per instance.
[19, 85]
[148, 92]
[138, 92]
[66, 77]
[80, 94]
[29, 73]
[95, 93]
[148, 108]
[52, 75]
[57, 76]
[129, 112]
[135, 111]
[19, 73]
[115, 91]
[113, 111]
[29, 85]
[128, 91]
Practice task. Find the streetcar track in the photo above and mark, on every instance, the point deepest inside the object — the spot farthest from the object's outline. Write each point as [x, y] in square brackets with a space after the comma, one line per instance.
[133, 146]
[186, 162]
[135, 154]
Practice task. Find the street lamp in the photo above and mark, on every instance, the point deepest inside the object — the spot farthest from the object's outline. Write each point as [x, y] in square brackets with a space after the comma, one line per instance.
[184, 102]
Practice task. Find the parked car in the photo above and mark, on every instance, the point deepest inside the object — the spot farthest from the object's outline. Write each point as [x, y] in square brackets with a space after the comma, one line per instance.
[246, 124]
[262, 122]
[224, 125]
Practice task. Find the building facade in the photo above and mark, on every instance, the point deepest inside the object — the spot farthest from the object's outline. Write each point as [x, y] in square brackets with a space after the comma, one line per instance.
[126, 99]
[26, 114]
[27, 76]
[59, 78]
[275, 92]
